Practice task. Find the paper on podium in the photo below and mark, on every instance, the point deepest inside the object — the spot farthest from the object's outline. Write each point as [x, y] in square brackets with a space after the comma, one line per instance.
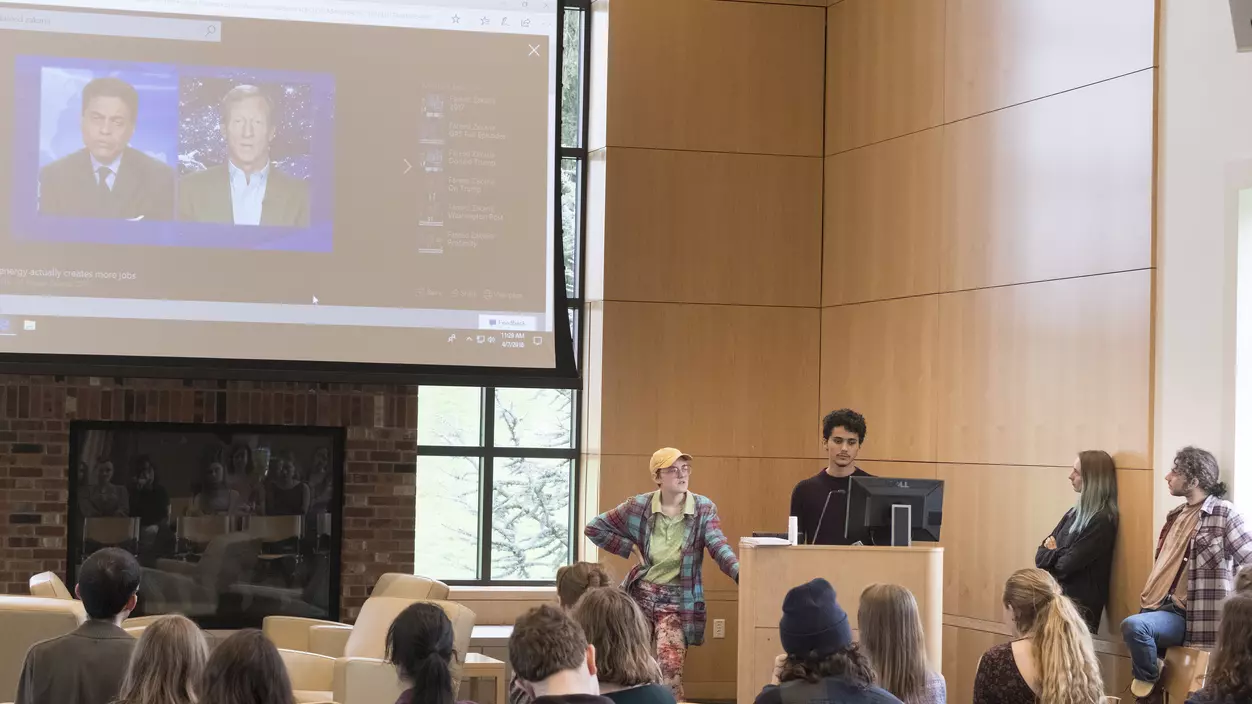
[765, 541]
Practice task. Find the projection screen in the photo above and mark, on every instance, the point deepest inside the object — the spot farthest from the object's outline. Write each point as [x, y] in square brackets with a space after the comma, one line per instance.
[313, 180]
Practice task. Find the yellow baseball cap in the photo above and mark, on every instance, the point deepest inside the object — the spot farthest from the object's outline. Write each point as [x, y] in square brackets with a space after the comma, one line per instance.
[666, 457]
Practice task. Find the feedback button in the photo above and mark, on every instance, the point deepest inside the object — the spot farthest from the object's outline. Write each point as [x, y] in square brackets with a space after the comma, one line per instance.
[506, 322]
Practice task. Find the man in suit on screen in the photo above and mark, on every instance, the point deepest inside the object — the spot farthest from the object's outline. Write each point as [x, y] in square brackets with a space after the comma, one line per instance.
[108, 178]
[247, 189]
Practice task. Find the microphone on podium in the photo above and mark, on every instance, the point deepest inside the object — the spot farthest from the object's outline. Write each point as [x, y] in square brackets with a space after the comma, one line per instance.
[818, 531]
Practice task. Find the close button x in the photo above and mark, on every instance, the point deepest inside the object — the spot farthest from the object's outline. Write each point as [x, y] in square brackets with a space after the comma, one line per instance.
[534, 50]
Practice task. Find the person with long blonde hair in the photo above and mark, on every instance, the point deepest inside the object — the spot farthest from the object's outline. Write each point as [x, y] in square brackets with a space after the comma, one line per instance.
[892, 637]
[622, 637]
[166, 664]
[1079, 551]
[1054, 660]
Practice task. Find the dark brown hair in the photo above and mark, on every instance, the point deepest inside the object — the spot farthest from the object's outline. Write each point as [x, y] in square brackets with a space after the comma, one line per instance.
[573, 580]
[849, 664]
[1230, 669]
[246, 669]
[545, 641]
[616, 626]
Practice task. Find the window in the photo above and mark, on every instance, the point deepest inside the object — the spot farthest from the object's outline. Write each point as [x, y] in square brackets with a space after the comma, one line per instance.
[497, 468]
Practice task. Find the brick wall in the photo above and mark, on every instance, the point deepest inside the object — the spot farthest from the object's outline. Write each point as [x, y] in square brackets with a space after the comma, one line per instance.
[379, 479]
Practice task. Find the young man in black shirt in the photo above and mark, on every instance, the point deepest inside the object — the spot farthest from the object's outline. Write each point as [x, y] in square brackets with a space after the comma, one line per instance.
[823, 499]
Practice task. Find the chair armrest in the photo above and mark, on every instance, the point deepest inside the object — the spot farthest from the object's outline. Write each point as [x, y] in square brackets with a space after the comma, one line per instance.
[291, 632]
[329, 639]
[366, 680]
[309, 670]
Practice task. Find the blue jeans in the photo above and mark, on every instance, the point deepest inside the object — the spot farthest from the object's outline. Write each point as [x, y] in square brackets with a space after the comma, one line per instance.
[1149, 633]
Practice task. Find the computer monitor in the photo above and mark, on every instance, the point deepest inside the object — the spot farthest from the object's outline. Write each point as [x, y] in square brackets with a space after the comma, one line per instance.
[870, 502]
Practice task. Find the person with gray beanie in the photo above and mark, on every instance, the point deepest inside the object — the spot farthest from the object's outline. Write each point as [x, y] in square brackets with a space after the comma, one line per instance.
[822, 663]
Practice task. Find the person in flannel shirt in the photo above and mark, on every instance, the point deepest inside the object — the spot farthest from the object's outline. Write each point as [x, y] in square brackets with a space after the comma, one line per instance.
[670, 529]
[1204, 541]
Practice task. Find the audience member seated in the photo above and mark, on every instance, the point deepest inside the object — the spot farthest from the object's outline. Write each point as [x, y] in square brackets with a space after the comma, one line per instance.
[549, 652]
[215, 498]
[87, 665]
[892, 638]
[246, 669]
[150, 503]
[821, 664]
[285, 494]
[103, 498]
[1229, 679]
[1053, 662]
[419, 644]
[622, 638]
[571, 582]
[167, 663]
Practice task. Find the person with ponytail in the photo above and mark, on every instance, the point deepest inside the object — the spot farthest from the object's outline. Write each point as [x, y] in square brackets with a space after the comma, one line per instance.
[419, 644]
[892, 637]
[1053, 662]
[1079, 551]
[1201, 545]
[1229, 679]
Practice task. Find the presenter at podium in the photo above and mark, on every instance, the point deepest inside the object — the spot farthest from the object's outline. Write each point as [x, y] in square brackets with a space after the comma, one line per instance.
[820, 503]
[670, 528]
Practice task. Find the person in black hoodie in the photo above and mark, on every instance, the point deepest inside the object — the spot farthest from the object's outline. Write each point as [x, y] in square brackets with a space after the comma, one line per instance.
[1079, 551]
[550, 653]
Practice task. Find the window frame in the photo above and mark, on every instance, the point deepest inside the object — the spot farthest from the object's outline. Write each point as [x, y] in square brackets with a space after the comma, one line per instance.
[487, 452]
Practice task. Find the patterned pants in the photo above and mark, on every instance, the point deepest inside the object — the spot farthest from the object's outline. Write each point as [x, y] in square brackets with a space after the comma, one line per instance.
[662, 605]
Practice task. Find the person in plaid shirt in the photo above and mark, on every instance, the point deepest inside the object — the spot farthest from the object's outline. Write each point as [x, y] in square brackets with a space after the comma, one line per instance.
[670, 528]
[1201, 545]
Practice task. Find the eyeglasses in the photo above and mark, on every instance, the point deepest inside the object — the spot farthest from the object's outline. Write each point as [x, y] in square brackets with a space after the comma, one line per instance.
[677, 471]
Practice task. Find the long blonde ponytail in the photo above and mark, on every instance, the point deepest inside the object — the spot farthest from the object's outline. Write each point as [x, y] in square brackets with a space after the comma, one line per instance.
[1068, 670]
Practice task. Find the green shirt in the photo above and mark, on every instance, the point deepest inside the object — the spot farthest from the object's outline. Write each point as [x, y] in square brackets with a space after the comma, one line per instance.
[665, 545]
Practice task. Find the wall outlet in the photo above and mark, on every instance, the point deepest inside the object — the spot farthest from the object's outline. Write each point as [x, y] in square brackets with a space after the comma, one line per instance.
[719, 628]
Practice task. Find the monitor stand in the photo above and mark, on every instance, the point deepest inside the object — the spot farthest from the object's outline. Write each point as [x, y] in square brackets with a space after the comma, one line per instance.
[901, 525]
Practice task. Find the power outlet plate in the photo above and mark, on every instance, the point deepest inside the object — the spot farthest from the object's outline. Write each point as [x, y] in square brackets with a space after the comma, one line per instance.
[719, 628]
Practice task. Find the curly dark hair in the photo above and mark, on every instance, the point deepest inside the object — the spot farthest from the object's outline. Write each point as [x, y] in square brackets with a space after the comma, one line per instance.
[1201, 467]
[844, 418]
[1232, 660]
[848, 664]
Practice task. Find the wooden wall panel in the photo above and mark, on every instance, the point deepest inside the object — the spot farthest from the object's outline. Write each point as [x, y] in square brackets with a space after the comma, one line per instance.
[716, 76]
[715, 380]
[994, 518]
[1030, 374]
[1001, 53]
[1054, 188]
[878, 358]
[1136, 540]
[962, 649]
[882, 220]
[884, 70]
[699, 227]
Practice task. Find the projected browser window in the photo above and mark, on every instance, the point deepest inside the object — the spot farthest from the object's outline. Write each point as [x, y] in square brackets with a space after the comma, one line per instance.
[321, 180]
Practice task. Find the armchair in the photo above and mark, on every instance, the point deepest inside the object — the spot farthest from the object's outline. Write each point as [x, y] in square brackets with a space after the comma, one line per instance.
[26, 620]
[358, 673]
[329, 637]
[49, 586]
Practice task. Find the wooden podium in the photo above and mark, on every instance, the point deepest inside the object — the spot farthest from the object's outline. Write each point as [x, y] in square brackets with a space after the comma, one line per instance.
[767, 572]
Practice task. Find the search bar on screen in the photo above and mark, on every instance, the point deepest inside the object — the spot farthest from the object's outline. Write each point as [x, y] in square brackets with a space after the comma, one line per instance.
[110, 25]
